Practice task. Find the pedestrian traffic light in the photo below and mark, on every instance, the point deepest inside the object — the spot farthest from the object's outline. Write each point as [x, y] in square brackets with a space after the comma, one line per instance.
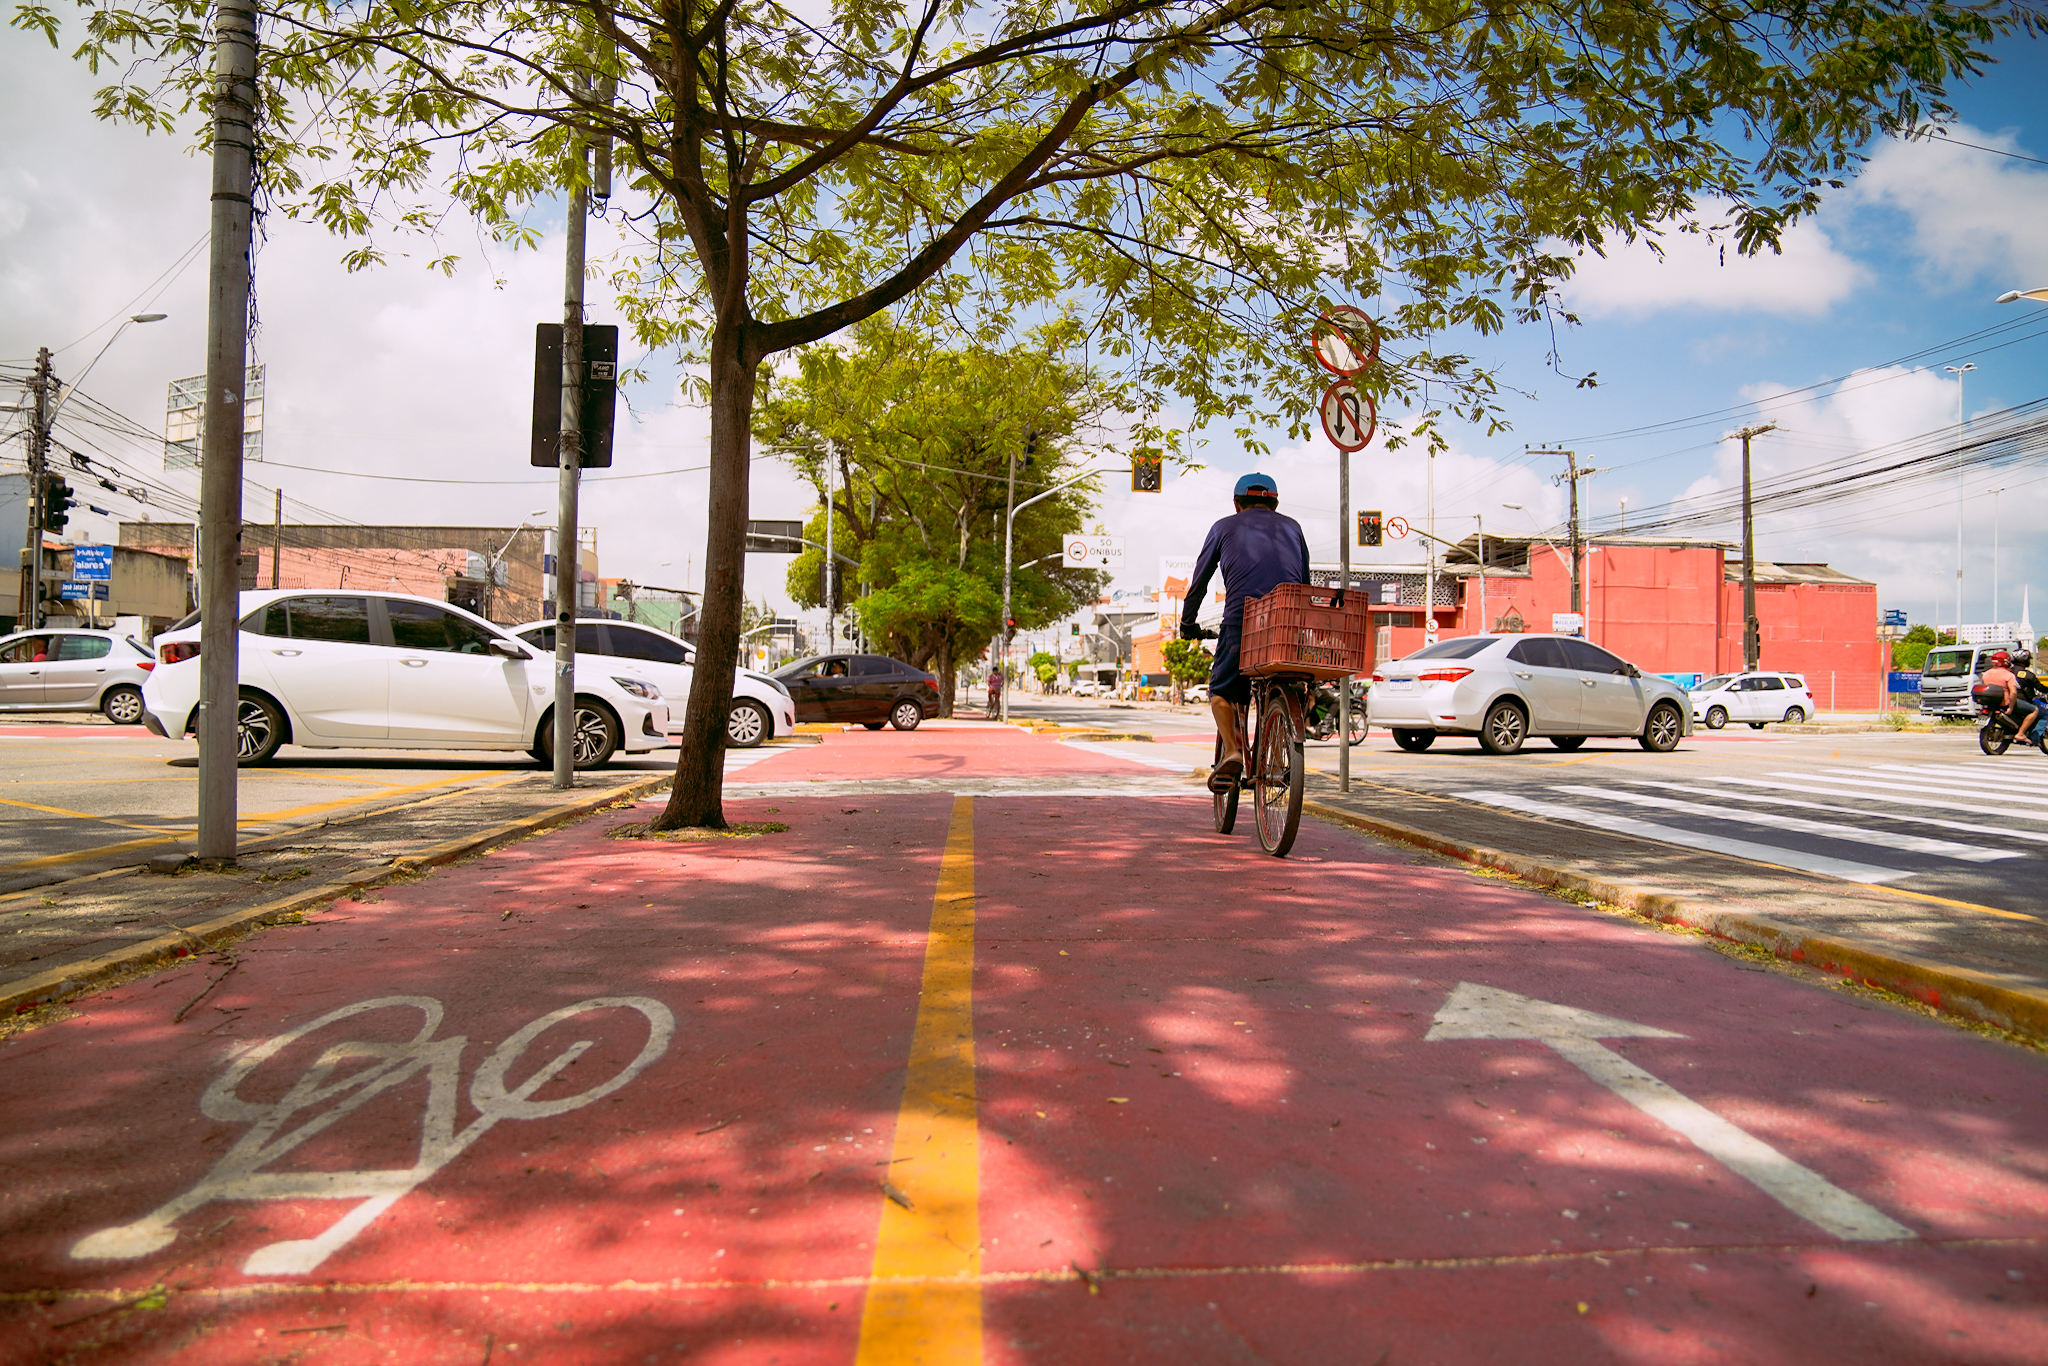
[1073, 628]
[1010, 624]
[1146, 473]
[1369, 528]
[57, 502]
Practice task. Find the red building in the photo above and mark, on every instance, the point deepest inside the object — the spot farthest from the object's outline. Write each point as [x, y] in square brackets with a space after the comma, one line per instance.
[1667, 606]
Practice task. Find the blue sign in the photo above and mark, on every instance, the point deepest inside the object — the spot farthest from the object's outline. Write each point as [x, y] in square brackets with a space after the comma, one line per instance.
[93, 563]
[78, 590]
[1898, 681]
[1894, 617]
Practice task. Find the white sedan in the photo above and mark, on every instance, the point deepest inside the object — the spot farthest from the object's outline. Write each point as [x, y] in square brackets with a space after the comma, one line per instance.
[1505, 688]
[335, 670]
[761, 707]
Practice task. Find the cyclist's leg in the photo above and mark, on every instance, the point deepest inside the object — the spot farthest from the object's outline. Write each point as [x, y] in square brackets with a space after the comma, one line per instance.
[1229, 691]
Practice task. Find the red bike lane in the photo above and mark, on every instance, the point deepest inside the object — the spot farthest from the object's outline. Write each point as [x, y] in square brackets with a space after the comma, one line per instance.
[1021, 1078]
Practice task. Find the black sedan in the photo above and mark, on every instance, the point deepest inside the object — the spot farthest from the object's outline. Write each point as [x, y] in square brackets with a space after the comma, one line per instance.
[869, 690]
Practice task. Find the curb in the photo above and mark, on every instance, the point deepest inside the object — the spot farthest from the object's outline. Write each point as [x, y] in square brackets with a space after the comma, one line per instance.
[73, 979]
[1104, 735]
[1963, 992]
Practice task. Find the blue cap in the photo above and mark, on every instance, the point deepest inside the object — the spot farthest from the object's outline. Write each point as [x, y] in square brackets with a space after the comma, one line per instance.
[1262, 483]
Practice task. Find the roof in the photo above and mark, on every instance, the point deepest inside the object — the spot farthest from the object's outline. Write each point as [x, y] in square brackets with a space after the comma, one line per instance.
[1512, 552]
[1771, 571]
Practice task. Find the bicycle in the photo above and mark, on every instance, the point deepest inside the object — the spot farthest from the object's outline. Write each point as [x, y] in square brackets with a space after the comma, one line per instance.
[1269, 735]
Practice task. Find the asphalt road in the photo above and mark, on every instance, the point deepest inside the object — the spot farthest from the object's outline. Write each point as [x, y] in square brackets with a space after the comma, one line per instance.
[1928, 813]
[74, 792]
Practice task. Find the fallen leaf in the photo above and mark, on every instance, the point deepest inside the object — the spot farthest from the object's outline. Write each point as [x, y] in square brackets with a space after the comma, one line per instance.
[898, 1196]
[1119, 1100]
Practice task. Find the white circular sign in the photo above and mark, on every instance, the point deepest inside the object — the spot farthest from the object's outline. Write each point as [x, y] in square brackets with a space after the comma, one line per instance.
[1079, 552]
[1347, 340]
[1349, 418]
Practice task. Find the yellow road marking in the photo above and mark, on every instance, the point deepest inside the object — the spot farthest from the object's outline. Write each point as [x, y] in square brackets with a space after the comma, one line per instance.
[81, 815]
[339, 802]
[924, 1304]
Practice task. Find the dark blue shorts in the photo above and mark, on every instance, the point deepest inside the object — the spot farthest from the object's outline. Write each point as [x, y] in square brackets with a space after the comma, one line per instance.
[1224, 679]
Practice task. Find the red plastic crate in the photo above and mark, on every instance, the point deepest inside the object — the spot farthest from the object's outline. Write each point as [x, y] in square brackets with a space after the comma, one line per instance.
[1299, 629]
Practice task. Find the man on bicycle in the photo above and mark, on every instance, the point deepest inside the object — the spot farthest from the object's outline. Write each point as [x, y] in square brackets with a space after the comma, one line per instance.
[1257, 549]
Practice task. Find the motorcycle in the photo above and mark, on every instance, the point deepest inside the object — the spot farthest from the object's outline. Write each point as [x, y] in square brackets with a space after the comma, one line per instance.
[1322, 715]
[2002, 723]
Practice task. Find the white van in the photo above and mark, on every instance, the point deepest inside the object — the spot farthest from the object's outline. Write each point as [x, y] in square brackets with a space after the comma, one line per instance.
[1950, 670]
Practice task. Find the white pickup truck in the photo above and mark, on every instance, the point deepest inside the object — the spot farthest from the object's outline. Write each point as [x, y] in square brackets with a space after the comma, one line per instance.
[1950, 670]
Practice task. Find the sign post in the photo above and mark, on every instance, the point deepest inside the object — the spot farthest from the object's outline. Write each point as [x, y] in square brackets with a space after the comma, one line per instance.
[1346, 341]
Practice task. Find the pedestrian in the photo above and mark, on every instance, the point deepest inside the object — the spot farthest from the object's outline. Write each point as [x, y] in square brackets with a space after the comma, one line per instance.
[995, 691]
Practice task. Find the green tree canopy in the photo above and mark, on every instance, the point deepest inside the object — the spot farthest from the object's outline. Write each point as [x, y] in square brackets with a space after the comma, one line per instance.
[919, 444]
[1194, 178]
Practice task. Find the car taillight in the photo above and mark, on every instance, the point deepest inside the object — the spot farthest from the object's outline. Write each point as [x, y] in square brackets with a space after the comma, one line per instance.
[1379, 678]
[178, 651]
[145, 664]
[1442, 675]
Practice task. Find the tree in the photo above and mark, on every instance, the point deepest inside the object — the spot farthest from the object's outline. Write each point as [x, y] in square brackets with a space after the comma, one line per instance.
[1909, 652]
[920, 442]
[1197, 178]
[1187, 661]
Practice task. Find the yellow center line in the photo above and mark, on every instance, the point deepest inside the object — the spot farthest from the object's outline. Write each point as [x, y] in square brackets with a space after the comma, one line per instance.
[924, 1304]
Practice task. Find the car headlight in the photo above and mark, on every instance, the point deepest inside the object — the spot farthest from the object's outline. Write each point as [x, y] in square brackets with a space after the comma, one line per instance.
[769, 679]
[639, 689]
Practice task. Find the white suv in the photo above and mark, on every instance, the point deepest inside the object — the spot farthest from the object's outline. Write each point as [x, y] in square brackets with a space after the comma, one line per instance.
[761, 707]
[340, 670]
[1756, 698]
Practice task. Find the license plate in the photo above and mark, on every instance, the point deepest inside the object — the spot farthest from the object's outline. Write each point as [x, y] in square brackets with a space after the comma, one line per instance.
[1400, 685]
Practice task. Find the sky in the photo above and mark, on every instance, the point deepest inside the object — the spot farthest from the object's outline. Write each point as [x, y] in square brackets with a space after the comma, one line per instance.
[398, 395]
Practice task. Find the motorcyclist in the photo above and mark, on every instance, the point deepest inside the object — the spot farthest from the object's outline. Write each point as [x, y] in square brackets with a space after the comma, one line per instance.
[2033, 695]
[2000, 675]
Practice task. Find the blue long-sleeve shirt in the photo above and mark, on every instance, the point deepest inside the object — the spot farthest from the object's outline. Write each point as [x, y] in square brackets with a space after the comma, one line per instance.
[1256, 549]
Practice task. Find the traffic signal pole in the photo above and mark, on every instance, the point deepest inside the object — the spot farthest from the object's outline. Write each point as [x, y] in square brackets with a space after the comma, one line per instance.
[568, 552]
[220, 467]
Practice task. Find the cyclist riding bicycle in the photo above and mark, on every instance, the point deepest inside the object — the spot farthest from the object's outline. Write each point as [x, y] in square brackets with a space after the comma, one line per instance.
[1257, 549]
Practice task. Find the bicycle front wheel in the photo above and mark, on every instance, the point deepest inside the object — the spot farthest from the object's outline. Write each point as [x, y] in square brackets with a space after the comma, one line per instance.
[1278, 785]
[1225, 802]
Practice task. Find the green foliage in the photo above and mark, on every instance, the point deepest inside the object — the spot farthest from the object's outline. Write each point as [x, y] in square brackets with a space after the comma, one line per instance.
[1047, 673]
[920, 442]
[1187, 661]
[1909, 652]
[1041, 658]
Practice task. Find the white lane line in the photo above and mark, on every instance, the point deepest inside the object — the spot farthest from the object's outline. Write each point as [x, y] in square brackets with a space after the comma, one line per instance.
[1966, 827]
[1137, 753]
[1930, 803]
[1886, 839]
[1987, 798]
[1776, 855]
[1998, 772]
[736, 759]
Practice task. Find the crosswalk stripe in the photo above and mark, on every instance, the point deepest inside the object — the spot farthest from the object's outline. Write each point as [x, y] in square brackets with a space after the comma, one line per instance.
[1898, 799]
[1919, 844]
[1986, 770]
[1139, 753]
[1773, 854]
[1891, 786]
[1964, 826]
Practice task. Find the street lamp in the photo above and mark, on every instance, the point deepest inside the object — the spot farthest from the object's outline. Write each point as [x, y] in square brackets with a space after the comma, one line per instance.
[2038, 295]
[78, 383]
[1959, 371]
[491, 569]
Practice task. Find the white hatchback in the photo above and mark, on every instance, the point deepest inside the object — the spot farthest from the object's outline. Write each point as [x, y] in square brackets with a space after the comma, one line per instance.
[337, 670]
[761, 707]
[1757, 698]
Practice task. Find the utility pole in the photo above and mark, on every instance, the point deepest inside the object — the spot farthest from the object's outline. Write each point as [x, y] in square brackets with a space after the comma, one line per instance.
[1752, 632]
[38, 462]
[1003, 634]
[1573, 473]
[1485, 622]
[276, 536]
[831, 598]
[220, 448]
[1959, 371]
[568, 552]
[1344, 535]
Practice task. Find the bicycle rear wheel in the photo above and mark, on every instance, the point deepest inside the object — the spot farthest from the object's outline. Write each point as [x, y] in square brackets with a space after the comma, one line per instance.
[1225, 802]
[1279, 778]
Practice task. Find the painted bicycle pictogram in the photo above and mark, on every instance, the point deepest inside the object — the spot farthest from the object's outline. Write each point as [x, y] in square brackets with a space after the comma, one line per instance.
[244, 1171]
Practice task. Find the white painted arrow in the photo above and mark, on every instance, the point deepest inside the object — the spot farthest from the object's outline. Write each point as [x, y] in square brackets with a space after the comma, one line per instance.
[1476, 1012]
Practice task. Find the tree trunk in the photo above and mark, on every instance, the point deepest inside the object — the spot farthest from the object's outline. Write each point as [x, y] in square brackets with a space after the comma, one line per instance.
[696, 798]
[945, 673]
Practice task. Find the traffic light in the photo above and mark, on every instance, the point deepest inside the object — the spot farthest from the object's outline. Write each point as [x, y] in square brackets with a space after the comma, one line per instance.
[1010, 624]
[1146, 473]
[57, 502]
[1073, 628]
[1369, 527]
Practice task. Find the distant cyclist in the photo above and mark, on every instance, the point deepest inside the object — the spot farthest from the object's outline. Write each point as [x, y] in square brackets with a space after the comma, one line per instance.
[1257, 549]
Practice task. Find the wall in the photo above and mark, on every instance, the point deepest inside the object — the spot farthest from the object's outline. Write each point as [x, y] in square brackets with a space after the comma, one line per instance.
[1824, 631]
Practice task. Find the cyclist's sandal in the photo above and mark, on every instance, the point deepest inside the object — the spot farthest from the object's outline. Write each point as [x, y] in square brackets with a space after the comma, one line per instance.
[1224, 777]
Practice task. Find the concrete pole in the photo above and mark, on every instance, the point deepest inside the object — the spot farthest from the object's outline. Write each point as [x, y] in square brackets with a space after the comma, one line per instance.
[38, 465]
[1752, 630]
[1429, 574]
[831, 598]
[568, 551]
[1485, 622]
[1958, 371]
[220, 453]
[276, 537]
[1003, 627]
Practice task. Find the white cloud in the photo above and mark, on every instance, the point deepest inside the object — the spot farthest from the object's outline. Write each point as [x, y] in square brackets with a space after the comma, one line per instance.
[1699, 271]
[1975, 215]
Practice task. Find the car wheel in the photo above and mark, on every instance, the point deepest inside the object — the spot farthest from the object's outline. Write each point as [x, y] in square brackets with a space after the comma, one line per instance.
[1504, 729]
[1663, 730]
[593, 741]
[1567, 742]
[873, 725]
[906, 714]
[1795, 716]
[1717, 717]
[122, 705]
[259, 730]
[748, 725]
[1415, 741]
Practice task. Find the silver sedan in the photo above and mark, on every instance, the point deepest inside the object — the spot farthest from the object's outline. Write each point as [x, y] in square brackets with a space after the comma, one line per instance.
[1504, 689]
